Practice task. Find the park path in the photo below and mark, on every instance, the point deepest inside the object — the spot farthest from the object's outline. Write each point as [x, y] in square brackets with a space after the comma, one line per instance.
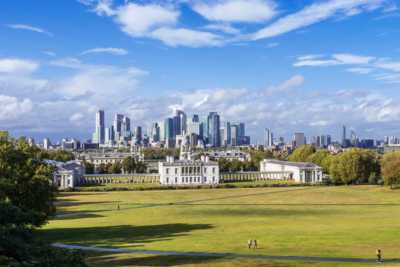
[220, 255]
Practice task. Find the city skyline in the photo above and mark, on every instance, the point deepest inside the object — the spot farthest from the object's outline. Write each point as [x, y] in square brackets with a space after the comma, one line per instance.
[194, 56]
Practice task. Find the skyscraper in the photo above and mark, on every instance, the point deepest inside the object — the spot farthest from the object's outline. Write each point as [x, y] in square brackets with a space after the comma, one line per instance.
[269, 138]
[234, 135]
[344, 142]
[138, 135]
[155, 132]
[213, 122]
[118, 126]
[99, 134]
[299, 139]
[180, 122]
[227, 134]
[169, 134]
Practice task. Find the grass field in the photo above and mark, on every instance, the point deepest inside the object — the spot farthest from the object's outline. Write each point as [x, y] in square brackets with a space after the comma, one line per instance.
[295, 221]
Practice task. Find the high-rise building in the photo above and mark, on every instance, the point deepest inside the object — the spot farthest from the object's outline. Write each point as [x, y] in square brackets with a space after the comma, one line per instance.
[46, 143]
[180, 122]
[162, 130]
[169, 132]
[99, 134]
[138, 135]
[195, 118]
[118, 127]
[226, 138]
[269, 138]
[299, 139]
[126, 127]
[234, 135]
[155, 133]
[213, 121]
[344, 139]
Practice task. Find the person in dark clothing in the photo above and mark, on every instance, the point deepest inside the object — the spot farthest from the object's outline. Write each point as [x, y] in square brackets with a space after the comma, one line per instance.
[378, 255]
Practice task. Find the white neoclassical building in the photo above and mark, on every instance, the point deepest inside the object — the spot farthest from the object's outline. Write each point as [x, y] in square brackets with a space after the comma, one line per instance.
[301, 172]
[67, 174]
[188, 172]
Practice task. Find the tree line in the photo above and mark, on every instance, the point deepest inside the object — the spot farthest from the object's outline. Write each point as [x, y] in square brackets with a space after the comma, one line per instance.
[353, 166]
[128, 165]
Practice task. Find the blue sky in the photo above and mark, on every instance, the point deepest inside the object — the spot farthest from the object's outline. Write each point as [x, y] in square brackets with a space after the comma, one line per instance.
[287, 65]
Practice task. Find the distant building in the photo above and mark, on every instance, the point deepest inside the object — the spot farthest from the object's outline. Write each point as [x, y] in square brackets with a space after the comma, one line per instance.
[99, 134]
[269, 138]
[67, 174]
[188, 172]
[299, 139]
[301, 172]
[213, 121]
[46, 143]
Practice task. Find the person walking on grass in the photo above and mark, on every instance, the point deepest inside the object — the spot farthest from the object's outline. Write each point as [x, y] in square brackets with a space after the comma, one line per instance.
[378, 255]
[255, 244]
[118, 206]
[249, 243]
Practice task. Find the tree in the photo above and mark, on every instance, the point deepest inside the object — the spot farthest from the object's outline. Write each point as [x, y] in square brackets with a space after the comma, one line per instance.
[141, 167]
[391, 168]
[26, 201]
[302, 153]
[321, 158]
[89, 167]
[103, 168]
[354, 166]
[129, 165]
[58, 155]
[114, 168]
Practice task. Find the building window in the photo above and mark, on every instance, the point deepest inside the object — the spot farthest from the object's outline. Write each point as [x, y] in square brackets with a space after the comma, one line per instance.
[213, 170]
[167, 170]
[176, 170]
[167, 180]
[205, 179]
[176, 180]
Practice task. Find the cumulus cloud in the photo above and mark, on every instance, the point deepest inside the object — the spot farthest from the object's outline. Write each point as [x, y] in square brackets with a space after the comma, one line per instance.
[138, 20]
[15, 65]
[236, 10]
[12, 108]
[29, 28]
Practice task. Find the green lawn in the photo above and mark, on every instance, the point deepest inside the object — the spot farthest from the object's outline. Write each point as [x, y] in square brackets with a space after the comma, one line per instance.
[302, 221]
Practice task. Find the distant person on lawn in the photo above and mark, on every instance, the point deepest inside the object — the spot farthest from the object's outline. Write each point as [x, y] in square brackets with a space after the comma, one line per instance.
[378, 255]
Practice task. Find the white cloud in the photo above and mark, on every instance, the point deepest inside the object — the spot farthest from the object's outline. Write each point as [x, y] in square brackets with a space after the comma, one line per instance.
[138, 20]
[335, 59]
[15, 65]
[76, 118]
[107, 50]
[272, 45]
[49, 53]
[222, 27]
[236, 10]
[12, 108]
[352, 59]
[29, 28]
[186, 37]
[315, 13]
[293, 82]
[360, 70]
